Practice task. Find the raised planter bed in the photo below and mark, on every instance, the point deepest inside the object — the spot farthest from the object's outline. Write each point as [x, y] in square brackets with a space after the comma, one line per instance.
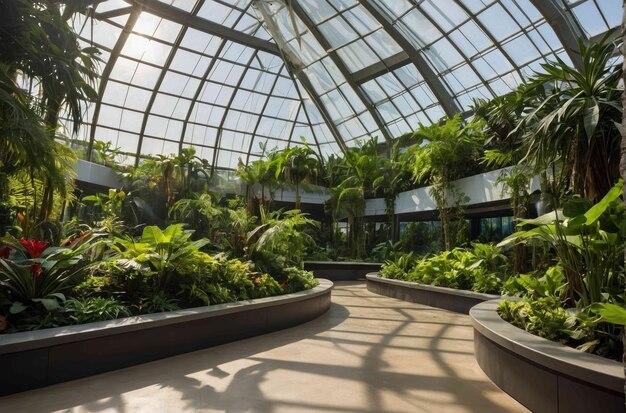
[34, 359]
[341, 271]
[459, 301]
[543, 375]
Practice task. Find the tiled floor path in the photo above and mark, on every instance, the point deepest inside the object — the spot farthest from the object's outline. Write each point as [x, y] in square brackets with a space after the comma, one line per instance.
[369, 353]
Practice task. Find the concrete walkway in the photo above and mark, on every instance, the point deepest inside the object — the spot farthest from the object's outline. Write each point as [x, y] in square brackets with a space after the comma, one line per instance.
[367, 354]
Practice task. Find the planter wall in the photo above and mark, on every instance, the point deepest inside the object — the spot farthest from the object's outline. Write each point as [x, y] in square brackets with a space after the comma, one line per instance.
[543, 375]
[341, 271]
[459, 301]
[39, 358]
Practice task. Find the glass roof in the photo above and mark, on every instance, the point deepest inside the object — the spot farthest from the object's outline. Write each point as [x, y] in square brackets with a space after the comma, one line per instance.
[231, 77]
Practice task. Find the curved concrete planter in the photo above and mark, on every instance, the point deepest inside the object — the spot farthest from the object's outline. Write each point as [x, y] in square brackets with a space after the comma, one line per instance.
[459, 301]
[543, 375]
[34, 359]
[340, 270]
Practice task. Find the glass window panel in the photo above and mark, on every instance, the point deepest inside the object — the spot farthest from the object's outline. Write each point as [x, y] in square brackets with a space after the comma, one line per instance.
[471, 39]
[235, 141]
[207, 114]
[145, 76]
[361, 20]
[157, 127]
[383, 44]
[106, 34]
[446, 13]
[408, 75]
[394, 9]
[443, 55]
[518, 15]
[388, 111]
[318, 10]
[227, 73]
[188, 62]
[498, 22]
[248, 101]
[131, 121]
[258, 81]
[405, 104]
[357, 56]
[522, 50]
[237, 53]
[201, 42]
[110, 116]
[285, 87]
[493, 63]
[423, 95]
[420, 31]
[612, 11]
[590, 18]
[351, 97]
[214, 93]
[157, 147]
[319, 77]
[374, 91]
[240, 121]
[337, 106]
[124, 69]
[167, 30]
[337, 32]
[201, 135]
[170, 106]
[179, 85]
[282, 108]
[435, 113]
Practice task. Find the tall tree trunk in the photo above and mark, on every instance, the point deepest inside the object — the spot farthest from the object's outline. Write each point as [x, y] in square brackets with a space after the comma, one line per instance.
[622, 163]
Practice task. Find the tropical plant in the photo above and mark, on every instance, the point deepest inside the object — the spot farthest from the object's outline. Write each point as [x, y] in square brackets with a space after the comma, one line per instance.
[571, 120]
[162, 251]
[94, 309]
[295, 165]
[443, 153]
[588, 242]
[280, 241]
[32, 272]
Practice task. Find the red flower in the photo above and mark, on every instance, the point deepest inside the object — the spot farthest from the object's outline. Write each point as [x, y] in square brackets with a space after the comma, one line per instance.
[35, 269]
[35, 248]
[5, 252]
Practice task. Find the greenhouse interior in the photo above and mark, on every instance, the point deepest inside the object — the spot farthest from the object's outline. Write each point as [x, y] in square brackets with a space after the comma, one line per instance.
[312, 206]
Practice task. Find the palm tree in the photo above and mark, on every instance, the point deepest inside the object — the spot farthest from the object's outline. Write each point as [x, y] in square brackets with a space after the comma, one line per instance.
[297, 164]
[38, 43]
[571, 120]
[443, 153]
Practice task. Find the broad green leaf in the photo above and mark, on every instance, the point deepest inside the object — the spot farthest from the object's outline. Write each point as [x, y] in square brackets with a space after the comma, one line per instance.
[598, 209]
[611, 313]
[50, 304]
[574, 207]
[17, 308]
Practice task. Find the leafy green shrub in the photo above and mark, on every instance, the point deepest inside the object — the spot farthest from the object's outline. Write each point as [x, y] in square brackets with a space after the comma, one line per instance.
[295, 279]
[482, 268]
[32, 272]
[94, 309]
[578, 328]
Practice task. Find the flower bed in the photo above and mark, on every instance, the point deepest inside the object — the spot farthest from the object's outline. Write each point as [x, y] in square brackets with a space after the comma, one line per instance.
[451, 299]
[543, 375]
[39, 358]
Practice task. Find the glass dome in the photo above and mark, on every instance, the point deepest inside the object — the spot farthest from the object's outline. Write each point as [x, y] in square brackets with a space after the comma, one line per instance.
[236, 78]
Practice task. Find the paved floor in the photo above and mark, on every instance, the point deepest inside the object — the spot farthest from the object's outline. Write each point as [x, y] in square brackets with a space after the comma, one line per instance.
[367, 354]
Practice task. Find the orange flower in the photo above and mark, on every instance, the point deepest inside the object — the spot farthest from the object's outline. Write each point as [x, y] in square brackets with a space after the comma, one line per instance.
[21, 217]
